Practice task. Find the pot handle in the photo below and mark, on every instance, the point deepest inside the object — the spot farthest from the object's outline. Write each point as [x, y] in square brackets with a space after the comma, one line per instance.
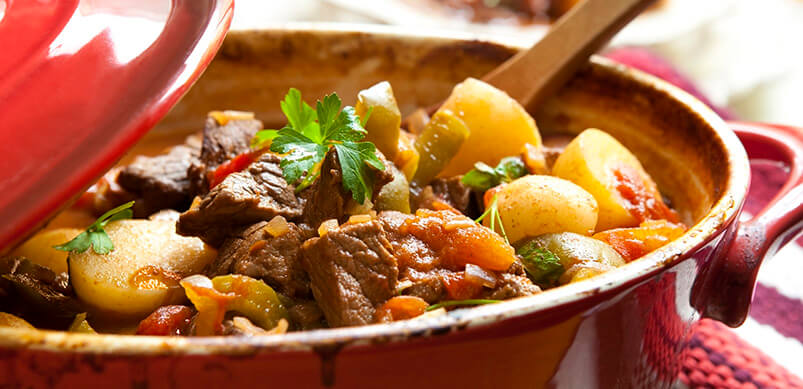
[732, 276]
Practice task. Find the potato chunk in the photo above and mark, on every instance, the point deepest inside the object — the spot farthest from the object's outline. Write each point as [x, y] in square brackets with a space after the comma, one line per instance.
[625, 193]
[499, 126]
[39, 249]
[535, 205]
[142, 272]
[580, 257]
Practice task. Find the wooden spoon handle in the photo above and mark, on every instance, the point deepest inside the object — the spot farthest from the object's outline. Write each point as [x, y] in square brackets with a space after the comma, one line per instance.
[532, 75]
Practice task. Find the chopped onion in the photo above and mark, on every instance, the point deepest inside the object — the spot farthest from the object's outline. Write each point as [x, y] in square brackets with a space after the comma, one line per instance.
[356, 219]
[480, 276]
[326, 226]
[223, 117]
[245, 327]
[277, 226]
[402, 285]
[452, 225]
[433, 313]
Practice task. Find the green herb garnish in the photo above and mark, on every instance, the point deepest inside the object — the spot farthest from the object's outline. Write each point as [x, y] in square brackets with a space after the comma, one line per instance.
[311, 133]
[484, 177]
[95, 235]
[493, 212]
[450, 303]
[542, 265]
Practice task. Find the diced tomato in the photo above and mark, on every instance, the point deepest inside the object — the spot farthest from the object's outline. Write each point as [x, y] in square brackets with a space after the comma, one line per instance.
[643, 204]
[167, 320]
[457, 240]
[633, 243]
[401, 308]
[236, 164]
[459, 288]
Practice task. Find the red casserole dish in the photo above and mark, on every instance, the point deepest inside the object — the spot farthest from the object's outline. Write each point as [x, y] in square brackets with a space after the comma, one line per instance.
[625, 328]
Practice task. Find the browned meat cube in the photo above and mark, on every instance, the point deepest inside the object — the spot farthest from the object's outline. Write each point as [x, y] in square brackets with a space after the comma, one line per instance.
[257, 253]
[352, 270]
[220, 144]
[256, 194]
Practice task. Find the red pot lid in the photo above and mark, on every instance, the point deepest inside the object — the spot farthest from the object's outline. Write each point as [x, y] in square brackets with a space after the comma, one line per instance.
[80, 82]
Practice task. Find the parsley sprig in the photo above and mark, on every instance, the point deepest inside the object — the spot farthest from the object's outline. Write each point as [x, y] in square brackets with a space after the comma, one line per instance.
[95, 236]
[541, 264]
[484, 177]
[311, 133]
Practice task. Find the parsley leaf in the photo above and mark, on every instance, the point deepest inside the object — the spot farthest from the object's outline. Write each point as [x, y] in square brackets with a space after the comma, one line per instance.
[300, 116]
[95, 236]
[354, 160]
[302, 154]
[542, 265]
[484, 177]
[311, 133]
[450, 303]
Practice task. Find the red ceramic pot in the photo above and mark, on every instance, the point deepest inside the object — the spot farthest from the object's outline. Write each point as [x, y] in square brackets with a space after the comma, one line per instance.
[626, 328]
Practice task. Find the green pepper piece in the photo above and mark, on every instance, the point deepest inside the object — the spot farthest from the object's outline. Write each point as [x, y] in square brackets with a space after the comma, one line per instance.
[438, 143]
[384, 117]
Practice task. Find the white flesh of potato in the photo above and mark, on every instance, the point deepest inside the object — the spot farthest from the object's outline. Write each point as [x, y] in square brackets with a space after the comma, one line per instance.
[534, 205]
[590, 161]
[143, 270]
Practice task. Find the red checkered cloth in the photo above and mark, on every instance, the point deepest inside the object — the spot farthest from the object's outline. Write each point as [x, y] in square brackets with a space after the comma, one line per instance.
[715, 356]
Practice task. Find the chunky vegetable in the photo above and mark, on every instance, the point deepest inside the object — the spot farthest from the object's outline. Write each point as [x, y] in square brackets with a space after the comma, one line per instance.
[438, 144]
[81, 325]
[401, 308]
[580, 257]
[407, 157]
[498, 125]
[395, 195]
[39, 249]
[459, 240]
[142, 273]
[625, 193]
[250, 297]
[9, 320]
[650, 235]
[534, 205]
[378, 104]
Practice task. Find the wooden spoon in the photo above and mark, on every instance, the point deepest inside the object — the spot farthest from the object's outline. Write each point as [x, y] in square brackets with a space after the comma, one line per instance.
[532, 75]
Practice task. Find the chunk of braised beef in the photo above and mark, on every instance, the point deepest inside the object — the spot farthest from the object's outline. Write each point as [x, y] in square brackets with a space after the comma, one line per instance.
[326, 199]
[168, 320]
[509, 286]
[450, 191]
[220, 144]
[161, 181]
[352, 270]
[305, 315]
[36, 294]
[256, 194]
[426, 285]
[257, 253]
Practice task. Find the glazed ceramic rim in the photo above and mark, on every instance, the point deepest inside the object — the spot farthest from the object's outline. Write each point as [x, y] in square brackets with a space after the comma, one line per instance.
[721, 214]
